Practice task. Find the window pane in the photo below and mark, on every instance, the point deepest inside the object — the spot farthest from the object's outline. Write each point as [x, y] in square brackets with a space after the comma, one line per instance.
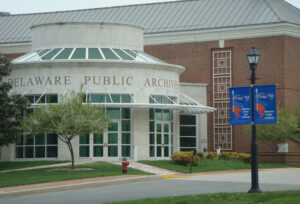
[43, 52]
[112, 151]
[108, 99]
[112, 138]
[28, 152]
[98, 151]
[79, 53]
[158, 138]
[98, 138]
[64, 54]
[109, 54]
[188, 131]
[19, 152]
[158, 127]
[116, 98]
[166, 115]
[113, 113]
[39, 99]
[125, 151]
[125, 98]
[158, 151]
[84, 139]
[151, 138]
[52, 98]
[151, 114]
[51, 54]
[125, 125]
[187, 142]
[187, 120]
[40, 139]
[52, 151]
[40, 152]
[125, 113]
[28, 140]
[166, 128]
[94, 53]
[113, 126]
[166, 138]
[158, 113]
[84, 151]
[52, 139]
[166, 151]
[20, 140]
[97, 98]
[151, 151]
[151, 126]
[125, 138]
[30, 99]
[123, 55]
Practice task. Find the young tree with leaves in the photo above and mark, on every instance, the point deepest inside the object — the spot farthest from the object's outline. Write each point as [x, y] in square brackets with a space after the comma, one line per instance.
[11, 107]
[286, 128]
[67, 119]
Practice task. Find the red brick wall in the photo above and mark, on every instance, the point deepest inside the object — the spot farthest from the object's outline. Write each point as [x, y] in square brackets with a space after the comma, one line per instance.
[279, 64]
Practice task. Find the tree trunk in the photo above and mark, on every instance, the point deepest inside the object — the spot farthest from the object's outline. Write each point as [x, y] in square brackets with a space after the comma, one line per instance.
[71, 152]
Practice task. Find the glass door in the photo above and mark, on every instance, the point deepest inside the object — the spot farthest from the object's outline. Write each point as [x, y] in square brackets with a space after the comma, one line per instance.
[108, 145]
[162, 139]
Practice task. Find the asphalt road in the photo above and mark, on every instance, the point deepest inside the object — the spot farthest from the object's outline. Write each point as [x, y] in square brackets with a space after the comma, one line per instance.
[283, 179]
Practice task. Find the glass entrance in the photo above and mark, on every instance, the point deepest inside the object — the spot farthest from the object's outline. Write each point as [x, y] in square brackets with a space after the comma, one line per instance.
[108, 144]
[161, 140]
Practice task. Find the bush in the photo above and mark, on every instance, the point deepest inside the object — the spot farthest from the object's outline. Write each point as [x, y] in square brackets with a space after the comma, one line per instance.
[211, 155]
[244, 157]
[200, 155]
[235, 156]
[229, 156]
[184, 158]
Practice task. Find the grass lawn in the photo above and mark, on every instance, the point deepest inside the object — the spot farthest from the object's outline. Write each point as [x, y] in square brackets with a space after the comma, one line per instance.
[211, 165]
[283, 197]
[44, 175]
[24, 164]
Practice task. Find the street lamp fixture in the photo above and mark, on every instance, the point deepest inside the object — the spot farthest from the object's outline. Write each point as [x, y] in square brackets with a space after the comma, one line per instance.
[253, 57]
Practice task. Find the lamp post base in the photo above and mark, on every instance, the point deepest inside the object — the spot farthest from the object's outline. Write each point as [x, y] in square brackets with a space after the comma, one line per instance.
[254, 190]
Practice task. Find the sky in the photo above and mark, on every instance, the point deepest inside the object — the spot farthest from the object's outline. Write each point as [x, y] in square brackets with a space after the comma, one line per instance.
[35, 6]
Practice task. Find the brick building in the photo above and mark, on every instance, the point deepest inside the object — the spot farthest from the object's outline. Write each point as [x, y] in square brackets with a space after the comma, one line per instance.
[210, 38]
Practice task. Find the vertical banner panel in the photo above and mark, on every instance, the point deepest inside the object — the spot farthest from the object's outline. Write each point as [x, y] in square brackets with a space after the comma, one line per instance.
[240, 105]
[264, 100]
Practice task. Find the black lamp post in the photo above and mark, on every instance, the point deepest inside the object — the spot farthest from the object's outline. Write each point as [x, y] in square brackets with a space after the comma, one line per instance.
[253, 57]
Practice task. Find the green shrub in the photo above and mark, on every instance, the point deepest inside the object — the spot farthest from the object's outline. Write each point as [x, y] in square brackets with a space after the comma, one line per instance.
[211, 155]
[244, 157]
[200, 155]
[235, 156]
[184, 158]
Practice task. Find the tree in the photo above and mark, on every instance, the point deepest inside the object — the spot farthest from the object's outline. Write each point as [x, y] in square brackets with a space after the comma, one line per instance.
[67, 119]
[286, 128]
[11, 107]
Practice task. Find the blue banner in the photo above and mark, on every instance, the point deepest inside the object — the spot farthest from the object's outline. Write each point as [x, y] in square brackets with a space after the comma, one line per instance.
[240, 105]
[264, 100]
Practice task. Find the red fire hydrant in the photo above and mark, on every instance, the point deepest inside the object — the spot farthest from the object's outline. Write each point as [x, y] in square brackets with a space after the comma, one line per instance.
[125, 163]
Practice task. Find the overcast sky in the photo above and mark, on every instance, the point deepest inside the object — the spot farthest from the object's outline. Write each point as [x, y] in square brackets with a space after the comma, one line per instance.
[34, 6]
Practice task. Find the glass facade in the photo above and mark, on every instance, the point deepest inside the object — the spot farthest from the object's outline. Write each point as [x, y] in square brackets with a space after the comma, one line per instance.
[161, 129]
[40, 146]
[116, 141]
[188, 132]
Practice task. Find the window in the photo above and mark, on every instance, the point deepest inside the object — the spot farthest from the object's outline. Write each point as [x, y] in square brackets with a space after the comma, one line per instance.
[40, 146]
[106, 98]
[188, 132]
[84, 145]
[46, 98]
[161, 129]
